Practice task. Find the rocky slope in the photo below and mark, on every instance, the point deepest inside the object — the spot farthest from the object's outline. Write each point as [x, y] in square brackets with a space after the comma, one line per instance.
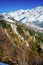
[19, 44]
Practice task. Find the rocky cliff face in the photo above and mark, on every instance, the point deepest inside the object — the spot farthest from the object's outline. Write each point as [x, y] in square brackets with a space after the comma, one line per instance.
[20, 45]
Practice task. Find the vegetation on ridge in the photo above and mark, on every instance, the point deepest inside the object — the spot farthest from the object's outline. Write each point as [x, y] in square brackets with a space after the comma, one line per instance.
[23, 48]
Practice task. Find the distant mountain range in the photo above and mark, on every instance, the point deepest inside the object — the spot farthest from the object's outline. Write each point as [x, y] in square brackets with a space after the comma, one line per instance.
[33, 17]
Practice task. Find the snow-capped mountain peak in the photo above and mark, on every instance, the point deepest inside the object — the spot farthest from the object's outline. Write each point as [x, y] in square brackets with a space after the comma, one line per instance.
[32, 17]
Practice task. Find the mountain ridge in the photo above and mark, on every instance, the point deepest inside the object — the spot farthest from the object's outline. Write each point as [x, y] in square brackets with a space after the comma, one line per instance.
[20, 44]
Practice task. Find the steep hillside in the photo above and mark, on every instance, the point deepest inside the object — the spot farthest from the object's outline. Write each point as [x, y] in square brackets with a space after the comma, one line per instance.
[19, 44]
